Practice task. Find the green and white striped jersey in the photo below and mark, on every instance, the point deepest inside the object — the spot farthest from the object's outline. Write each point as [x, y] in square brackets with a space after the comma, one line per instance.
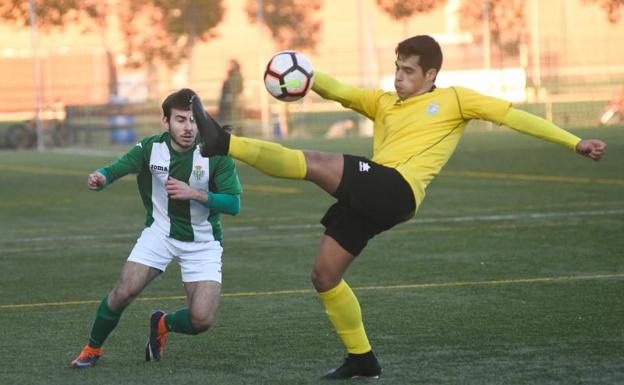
[154, 161]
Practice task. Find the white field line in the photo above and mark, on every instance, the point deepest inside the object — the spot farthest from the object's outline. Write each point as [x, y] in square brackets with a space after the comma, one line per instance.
[534, 216]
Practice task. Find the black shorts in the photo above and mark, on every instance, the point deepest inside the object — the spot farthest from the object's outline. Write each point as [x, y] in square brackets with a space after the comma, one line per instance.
[371, 198]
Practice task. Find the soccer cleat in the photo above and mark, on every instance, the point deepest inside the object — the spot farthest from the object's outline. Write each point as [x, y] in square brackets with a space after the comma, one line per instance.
[214, 139]
[87, 358]
[158, 336]
[356, 365]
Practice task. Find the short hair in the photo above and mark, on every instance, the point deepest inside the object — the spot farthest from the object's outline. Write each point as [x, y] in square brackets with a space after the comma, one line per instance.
[180, 100]
[425, 47]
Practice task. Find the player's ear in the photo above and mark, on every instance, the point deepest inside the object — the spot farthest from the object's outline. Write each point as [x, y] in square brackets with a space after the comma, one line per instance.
[431, 74]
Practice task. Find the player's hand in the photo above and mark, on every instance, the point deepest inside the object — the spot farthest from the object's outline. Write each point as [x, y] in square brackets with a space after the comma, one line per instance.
[176, 189]
[592, 148]
[96, 181]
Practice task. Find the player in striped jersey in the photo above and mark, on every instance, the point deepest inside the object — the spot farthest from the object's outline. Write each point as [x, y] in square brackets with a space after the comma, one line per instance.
[183, 194]
[416, 130]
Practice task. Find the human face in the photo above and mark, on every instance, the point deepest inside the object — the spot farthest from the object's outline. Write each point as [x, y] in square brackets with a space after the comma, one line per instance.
[409, 79]
[182, 128]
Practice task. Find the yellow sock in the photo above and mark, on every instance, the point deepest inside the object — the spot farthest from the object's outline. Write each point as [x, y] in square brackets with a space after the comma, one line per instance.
[343, 310]
[268, 157]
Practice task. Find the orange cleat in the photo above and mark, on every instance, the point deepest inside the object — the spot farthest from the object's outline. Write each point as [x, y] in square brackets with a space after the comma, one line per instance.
[87, 358]
[158, 336]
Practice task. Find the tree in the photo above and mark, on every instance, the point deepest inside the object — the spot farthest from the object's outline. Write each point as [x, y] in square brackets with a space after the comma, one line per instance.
[506, 23]
[56, 14]
[402, 10]
[167, 31]
[164, 31]
[292, 22]
[613, 8]
[52, 13]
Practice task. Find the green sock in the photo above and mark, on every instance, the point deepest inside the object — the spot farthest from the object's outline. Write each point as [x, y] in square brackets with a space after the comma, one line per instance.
[105, 322]
[180, 322]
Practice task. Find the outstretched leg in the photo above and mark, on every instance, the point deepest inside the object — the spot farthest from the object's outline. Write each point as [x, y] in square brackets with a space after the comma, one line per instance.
[324, 169]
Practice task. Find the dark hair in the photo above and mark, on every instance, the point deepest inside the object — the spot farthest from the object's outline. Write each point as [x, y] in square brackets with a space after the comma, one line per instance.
[425, 47]
[180, 100]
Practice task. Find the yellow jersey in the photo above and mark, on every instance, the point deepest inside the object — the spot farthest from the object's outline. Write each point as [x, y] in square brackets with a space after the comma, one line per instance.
[418, 135]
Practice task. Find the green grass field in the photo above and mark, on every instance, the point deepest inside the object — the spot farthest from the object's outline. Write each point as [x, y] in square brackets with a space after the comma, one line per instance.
[511, 273]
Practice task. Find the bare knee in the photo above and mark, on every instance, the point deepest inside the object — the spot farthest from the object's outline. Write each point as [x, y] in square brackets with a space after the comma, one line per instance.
[323, 281]
[202, 322]
[317, 161]
[121, 296]
[324, 169]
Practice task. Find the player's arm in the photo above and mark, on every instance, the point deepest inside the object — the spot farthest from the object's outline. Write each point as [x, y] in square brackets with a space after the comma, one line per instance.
[541, 128]
[129, 163]
[474, 105]
[96, 181]
[360, 100]
[224, 192]
[223, 203]
[226, 203]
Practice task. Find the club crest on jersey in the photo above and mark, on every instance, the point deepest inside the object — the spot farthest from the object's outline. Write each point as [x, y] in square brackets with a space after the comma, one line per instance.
[199, 172]
[433, 109]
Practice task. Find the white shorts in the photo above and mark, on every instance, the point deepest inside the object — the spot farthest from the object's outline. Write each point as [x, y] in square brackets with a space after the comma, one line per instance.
[199, 261]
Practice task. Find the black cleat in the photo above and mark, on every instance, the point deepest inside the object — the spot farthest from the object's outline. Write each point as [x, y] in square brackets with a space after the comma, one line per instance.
[214, 139]
[356, 365]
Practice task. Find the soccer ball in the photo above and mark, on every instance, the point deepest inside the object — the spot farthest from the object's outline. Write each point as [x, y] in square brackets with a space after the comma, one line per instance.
[288, 76]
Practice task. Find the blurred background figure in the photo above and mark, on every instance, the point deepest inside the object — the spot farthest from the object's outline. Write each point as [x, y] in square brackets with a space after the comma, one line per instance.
[340, 129]
[231, 101]
[613, 113]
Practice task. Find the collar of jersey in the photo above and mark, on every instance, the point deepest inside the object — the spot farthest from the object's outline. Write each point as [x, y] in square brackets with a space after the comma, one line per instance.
[400, 101]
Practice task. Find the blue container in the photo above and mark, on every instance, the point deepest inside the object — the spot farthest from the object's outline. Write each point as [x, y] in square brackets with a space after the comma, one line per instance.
[123, 131]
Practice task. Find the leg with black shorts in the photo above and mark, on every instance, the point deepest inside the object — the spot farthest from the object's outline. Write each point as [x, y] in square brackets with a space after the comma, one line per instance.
[371, 199]
[362, 211]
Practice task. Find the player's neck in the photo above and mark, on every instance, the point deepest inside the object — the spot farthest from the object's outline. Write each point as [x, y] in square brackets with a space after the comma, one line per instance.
[424, 90]
[177, 147]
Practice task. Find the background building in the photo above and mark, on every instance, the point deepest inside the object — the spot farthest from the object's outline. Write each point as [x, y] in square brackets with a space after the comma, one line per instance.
[570, 53]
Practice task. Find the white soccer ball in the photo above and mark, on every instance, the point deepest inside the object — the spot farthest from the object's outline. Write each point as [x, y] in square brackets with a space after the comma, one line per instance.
[288, 76]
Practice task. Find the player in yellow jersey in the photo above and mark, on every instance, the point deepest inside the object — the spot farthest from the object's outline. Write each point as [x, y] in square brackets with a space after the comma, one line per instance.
[416, 130]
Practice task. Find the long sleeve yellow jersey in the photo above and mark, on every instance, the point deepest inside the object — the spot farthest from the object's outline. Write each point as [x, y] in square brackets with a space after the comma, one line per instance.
[418, 135]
